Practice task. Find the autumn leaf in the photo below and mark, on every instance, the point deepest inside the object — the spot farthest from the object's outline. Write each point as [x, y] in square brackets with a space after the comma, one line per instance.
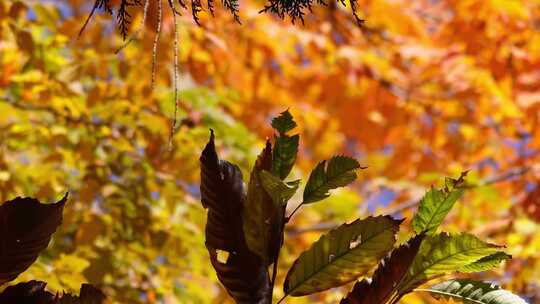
[443, 254]
[435, 205]
[342, 255]
[286, 147]
[389, 274]
[339, 171]
[241, 271]
[279, 190]
[26, 227]
[262, 218]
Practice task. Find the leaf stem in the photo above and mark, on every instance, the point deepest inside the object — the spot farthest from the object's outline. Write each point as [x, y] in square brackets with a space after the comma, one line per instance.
[288, 218]
[282, 298]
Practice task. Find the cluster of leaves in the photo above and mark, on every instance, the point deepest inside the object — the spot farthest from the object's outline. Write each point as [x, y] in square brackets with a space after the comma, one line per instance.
[295, 9]
[244, 234]
[26, 227]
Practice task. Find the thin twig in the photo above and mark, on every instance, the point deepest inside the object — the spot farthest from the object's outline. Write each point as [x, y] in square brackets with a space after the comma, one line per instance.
[175, 75]
[156, 41]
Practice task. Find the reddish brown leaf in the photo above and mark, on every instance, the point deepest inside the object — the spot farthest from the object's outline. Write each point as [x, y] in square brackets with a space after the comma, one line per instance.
[242, 272]
[390, 272]
[26, 227]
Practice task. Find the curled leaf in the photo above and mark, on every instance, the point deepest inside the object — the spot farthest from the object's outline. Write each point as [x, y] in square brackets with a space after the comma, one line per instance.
[242, 272]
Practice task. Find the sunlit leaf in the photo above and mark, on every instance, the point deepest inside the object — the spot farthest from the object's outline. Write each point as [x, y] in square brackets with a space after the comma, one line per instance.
[486, 263]
[435, 205]
[342, 255]
[443, 254]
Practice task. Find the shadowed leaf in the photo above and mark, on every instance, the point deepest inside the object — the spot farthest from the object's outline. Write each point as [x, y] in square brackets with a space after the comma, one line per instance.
[473, 292]
[389, 274]
[279, 190]
[339, 171]
[342, 255]
[242, 272]
[26, 227]
[262, 218]
[33, 292]
[284, 122]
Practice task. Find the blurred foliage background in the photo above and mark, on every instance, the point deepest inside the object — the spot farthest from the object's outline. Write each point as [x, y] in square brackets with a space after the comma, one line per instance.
[427, 88]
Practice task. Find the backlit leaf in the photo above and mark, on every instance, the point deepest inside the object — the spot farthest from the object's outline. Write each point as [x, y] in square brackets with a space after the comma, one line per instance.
[435, 205]
[444, 254]
[339, 171]
[342, 255]
[486, 263]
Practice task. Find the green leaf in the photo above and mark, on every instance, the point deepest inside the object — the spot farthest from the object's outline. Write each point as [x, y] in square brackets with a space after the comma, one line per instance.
[339, 171]
[436, 204]
[279, 190]
[262, 217]
[284, 122]
[285, 150]
[342, 255]
[390, 272]
[442, 254]
[486, 263]
[473, 292]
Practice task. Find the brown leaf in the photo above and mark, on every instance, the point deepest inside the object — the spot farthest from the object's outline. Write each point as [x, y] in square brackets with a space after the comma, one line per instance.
[242, 272]
[386, 278]
[26, 227]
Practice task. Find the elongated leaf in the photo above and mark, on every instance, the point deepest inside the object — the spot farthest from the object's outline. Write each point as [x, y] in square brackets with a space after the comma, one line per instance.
[242, 272]
[286, 147]
[339, 171]
[285, 150]
[284, 122]
[473, 292]
[262, 218]
[26, 227]
[389, 274]
[486, 263]
[342, 255]
[279, 190]
[443, 254]
[436, 204]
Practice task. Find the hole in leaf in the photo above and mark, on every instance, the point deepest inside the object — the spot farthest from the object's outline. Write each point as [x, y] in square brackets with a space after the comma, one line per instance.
[331, 258]
[222, 256]
[354, 243]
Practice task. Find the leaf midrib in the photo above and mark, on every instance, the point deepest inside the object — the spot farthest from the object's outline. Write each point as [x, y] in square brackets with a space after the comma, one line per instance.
[437, 261]
[334, 260]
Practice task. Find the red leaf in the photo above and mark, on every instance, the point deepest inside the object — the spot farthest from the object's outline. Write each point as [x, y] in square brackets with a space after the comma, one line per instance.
[390, 272]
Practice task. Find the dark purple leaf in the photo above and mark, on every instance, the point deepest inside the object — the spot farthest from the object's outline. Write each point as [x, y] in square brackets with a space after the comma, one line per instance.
[26, 227]
[243, 273]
